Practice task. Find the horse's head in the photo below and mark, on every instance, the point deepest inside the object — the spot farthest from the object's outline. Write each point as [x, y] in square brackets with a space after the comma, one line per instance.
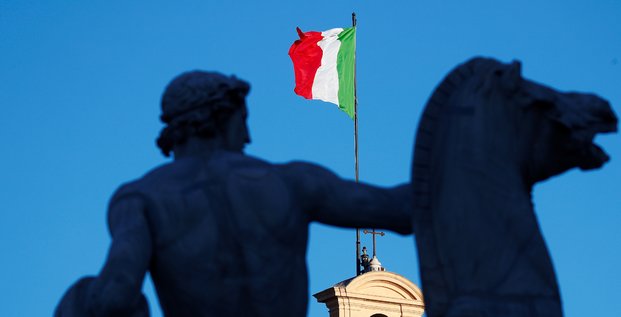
[485, 137]
[554, 130]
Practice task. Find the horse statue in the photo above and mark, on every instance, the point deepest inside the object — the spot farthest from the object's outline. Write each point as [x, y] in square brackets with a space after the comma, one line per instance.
[486, 136]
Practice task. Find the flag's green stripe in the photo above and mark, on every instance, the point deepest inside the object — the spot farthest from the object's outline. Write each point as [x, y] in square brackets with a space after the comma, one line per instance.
[345, 65]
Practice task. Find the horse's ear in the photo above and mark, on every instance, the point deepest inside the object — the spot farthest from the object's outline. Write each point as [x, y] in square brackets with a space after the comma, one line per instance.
[513, 76]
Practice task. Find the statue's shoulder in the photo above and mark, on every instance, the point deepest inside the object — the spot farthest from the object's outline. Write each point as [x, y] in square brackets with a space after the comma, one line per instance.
[178, 173]
[249, 166]
[239, 160]
[158, 177]
[127, 190]
[225, 165]
[242, 165]
[301, 171]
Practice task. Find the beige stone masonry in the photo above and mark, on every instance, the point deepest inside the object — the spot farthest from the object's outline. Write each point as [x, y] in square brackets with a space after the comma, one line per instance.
[374, 294]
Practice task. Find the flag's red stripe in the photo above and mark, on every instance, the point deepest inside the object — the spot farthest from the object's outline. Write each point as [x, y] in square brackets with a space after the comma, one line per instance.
[306, 57]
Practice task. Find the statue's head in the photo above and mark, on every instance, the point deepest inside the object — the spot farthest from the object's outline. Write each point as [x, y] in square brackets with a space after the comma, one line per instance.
[204, 105]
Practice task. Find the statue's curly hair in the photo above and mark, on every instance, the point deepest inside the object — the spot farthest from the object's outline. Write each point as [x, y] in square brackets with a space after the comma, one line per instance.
[198, 103]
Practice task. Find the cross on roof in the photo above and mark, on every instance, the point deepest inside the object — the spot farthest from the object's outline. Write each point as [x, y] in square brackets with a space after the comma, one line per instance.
[374, 233]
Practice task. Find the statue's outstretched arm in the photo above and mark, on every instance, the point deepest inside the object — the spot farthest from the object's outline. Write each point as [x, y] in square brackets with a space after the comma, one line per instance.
[334, 201]
[116, 291]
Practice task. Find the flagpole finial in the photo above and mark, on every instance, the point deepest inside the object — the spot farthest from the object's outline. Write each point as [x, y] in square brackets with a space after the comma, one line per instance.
[300, 33]
[353, 18]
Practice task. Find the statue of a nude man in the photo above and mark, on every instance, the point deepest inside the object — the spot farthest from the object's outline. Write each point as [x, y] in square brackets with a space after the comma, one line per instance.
[222, 233]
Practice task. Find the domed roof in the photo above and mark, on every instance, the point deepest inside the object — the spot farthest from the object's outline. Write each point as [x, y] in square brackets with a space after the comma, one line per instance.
[391, 285]
[375, 290]
[375, 264]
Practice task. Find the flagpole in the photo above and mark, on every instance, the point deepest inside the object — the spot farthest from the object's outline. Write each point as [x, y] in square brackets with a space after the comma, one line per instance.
[353, 21]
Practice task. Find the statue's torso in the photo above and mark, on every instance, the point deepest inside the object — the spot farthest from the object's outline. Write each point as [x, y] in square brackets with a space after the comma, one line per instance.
[228, 237]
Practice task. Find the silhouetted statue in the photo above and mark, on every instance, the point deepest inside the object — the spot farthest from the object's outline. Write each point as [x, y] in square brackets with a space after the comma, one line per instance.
[485, 138]
[220, 232]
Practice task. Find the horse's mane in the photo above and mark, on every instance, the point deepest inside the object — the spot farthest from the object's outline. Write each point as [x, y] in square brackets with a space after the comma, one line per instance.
[460, 74]
[426, 169]
[432, 117]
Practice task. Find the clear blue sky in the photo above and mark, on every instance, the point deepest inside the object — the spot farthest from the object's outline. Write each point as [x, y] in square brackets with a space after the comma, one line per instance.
[80, 83]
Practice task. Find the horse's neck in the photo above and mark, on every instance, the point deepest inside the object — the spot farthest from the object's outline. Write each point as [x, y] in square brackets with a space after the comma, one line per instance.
[481, 183]
[501, 189]
[487, 154]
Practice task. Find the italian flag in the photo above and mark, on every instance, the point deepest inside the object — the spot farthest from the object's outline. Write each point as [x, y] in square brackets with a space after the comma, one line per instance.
[324, 65]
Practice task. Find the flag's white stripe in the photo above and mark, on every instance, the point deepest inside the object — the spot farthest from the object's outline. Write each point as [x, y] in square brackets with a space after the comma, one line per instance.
[326, 84]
